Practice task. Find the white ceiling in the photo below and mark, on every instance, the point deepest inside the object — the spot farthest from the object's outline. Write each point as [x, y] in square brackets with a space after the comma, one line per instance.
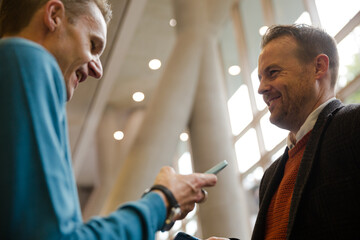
[138, 32]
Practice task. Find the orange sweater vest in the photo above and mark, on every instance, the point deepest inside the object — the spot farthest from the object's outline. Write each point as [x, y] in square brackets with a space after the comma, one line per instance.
[278, 213]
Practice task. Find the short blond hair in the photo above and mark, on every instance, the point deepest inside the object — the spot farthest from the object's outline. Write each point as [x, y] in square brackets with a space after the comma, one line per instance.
[11, 22]
[74, 8]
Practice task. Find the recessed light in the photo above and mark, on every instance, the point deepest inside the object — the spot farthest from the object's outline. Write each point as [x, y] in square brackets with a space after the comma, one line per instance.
[118, 135]
[234, 70]
[184, 137]
[138, 96]
[154, 64]
[172, 22]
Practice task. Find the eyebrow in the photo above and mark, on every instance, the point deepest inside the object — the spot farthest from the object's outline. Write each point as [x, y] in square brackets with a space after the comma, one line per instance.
[267, 69]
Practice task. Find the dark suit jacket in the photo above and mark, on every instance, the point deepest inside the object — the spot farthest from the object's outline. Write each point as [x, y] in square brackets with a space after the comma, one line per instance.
[326, 198]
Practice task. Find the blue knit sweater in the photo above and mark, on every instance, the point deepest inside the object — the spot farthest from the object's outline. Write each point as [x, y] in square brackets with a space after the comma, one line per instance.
[39, 198]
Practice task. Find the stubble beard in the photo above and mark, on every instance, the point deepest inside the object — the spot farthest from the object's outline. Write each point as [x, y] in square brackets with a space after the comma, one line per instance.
[286, 116]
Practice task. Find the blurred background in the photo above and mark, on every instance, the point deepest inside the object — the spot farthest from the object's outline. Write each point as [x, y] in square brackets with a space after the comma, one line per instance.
[180, 89]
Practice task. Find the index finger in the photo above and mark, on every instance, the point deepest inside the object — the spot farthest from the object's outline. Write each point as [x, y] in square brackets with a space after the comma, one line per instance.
[205, 179]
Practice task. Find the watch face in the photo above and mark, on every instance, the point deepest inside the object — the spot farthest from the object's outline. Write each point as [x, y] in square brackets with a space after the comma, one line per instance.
[177, 212]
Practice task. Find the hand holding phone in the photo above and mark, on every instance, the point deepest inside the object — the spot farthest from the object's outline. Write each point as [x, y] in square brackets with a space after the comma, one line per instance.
[218, 167]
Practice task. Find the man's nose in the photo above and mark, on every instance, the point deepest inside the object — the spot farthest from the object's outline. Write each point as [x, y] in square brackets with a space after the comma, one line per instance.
[263, 87]
[95, 68]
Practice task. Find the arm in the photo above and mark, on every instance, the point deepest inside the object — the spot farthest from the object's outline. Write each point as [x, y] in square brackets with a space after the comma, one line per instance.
[133, 220]
[39, 197]
[141, 219]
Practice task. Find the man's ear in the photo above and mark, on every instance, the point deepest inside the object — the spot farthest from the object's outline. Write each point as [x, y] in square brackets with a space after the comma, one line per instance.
[54, 14]
[321, 65]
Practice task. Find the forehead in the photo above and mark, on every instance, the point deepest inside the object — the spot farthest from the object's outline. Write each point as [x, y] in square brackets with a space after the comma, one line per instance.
[95, 22]
[278, 50]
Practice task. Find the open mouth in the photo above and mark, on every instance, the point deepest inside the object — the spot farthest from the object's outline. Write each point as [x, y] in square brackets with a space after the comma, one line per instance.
[270, 101]
[81, 76]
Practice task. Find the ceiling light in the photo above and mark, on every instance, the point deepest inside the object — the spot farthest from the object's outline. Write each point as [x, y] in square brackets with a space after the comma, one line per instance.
[184, 137]
[172, 22]
[154, 64]
[118, 135]
[263, 30]
[234, 70]
[138, 96]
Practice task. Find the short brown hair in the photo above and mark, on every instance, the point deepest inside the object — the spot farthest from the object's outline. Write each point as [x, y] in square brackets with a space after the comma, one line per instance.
[12, 22]
[311, 42]
[76, 7]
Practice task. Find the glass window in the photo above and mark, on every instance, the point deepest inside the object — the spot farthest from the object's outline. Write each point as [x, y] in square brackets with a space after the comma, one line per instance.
[251, 183]
[271, 133]
[353, 98]
[185, 164]
[253, 179]
[240, 110]
[277, 154]
[286, 12]
[304, 19]
[192, 227]
[230, 58]
[260, 104]
[334, 14]
[192, 214]
[247, 150]
[349, 54]
[252, 20]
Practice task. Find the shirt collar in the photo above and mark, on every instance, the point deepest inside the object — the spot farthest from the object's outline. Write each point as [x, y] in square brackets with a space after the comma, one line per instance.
[308, 124]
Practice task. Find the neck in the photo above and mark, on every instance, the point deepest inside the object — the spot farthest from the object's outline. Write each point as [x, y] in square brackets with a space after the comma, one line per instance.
[321, 99]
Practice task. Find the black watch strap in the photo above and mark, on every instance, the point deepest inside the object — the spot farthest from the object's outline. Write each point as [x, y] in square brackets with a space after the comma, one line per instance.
[174, 207]
[168, 194]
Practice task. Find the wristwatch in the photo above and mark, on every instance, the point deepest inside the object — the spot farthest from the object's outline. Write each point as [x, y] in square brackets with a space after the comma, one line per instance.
[174, 210]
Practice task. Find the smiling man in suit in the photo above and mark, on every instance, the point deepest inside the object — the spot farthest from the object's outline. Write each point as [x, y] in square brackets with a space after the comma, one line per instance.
[312, 191]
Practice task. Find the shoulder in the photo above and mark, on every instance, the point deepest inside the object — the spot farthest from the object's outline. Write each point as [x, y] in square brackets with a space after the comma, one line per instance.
[339, 114]
[349, 114]
[15, 43]
[342, 134]
[15, 50]
[350, 109]
[28, 64]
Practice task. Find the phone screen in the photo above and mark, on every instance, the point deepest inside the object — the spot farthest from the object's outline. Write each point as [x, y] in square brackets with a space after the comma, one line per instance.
[217, 168]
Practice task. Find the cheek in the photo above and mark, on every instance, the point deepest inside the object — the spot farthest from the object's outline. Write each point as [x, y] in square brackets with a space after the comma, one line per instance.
[81, 57]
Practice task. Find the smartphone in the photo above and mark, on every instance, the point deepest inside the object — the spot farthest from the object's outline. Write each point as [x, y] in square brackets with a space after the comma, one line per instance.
[184, 236]
[218, 167]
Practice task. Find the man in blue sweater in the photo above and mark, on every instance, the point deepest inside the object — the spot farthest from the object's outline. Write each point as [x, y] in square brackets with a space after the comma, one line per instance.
[47, 48]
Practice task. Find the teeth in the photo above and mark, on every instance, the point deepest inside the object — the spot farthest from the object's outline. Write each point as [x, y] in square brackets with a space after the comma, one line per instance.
[271, 100]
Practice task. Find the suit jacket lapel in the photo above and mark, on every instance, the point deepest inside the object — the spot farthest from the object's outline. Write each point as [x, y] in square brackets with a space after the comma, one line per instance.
[309, 157]
[271, 183]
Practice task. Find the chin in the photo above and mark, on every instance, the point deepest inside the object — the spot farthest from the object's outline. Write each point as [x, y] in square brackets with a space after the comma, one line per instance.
[275, 120]
[69, 95]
